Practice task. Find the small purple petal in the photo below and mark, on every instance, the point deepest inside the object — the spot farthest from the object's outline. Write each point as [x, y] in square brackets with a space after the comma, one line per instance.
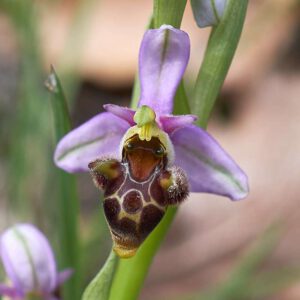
[209, 168]
[28, 259]
[170, 123]
[124, 113]
[164, 55]
[100, 136]
[8, 291]
[208, 12]
[63, 276]
[50, 297]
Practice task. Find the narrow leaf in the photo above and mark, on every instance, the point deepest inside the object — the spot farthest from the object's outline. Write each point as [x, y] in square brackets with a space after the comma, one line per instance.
[100, 286]
[66, 198]
[62, 122]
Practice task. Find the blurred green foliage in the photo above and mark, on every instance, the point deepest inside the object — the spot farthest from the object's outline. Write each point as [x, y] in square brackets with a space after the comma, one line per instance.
[29, 149]
[39, 192]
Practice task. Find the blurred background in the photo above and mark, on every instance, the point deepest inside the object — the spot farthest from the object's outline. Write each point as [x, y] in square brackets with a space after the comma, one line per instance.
[216, 249]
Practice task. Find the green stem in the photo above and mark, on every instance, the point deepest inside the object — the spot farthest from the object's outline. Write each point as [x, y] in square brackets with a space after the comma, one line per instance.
[168, 12]
[219, 53]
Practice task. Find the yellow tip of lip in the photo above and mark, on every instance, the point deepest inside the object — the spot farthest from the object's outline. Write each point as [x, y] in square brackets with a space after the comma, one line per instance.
[124, 252]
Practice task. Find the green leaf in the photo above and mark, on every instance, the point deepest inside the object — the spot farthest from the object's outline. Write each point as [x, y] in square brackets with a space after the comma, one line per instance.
[62, 122]
[219, 53]
[66, 198]
[100, 286]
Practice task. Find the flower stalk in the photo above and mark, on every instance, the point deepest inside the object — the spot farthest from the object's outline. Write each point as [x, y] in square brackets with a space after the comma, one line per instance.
[168, 12]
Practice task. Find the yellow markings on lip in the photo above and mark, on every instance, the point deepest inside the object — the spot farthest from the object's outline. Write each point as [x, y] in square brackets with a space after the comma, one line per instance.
[124, 252]
[146, 132]
[166, 182]
[107, 168]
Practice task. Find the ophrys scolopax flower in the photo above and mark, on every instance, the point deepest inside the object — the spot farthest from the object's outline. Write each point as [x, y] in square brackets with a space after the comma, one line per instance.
[148, 159]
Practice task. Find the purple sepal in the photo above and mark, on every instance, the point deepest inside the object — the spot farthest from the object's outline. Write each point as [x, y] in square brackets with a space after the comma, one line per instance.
[209, 168]
[63, 276]
[101, 135]
[124, 113]
[50, 297]
[163, 58]
[170, 123]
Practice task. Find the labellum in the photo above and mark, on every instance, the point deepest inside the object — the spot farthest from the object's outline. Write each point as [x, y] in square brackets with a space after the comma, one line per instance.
[139, 188]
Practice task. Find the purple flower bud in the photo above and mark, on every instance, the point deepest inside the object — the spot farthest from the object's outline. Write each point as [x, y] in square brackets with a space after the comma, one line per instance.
[29, 264]
[208, 12]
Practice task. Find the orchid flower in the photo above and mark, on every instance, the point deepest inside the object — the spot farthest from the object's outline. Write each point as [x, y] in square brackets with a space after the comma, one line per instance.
[29, 264]
[147, 159]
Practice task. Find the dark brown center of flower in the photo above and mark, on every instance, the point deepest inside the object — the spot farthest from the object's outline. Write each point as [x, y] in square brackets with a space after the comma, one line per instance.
[143, 156]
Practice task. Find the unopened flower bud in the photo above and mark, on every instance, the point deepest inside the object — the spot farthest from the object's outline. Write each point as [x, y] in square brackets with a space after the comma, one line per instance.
[208, 12]
[29, 264]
